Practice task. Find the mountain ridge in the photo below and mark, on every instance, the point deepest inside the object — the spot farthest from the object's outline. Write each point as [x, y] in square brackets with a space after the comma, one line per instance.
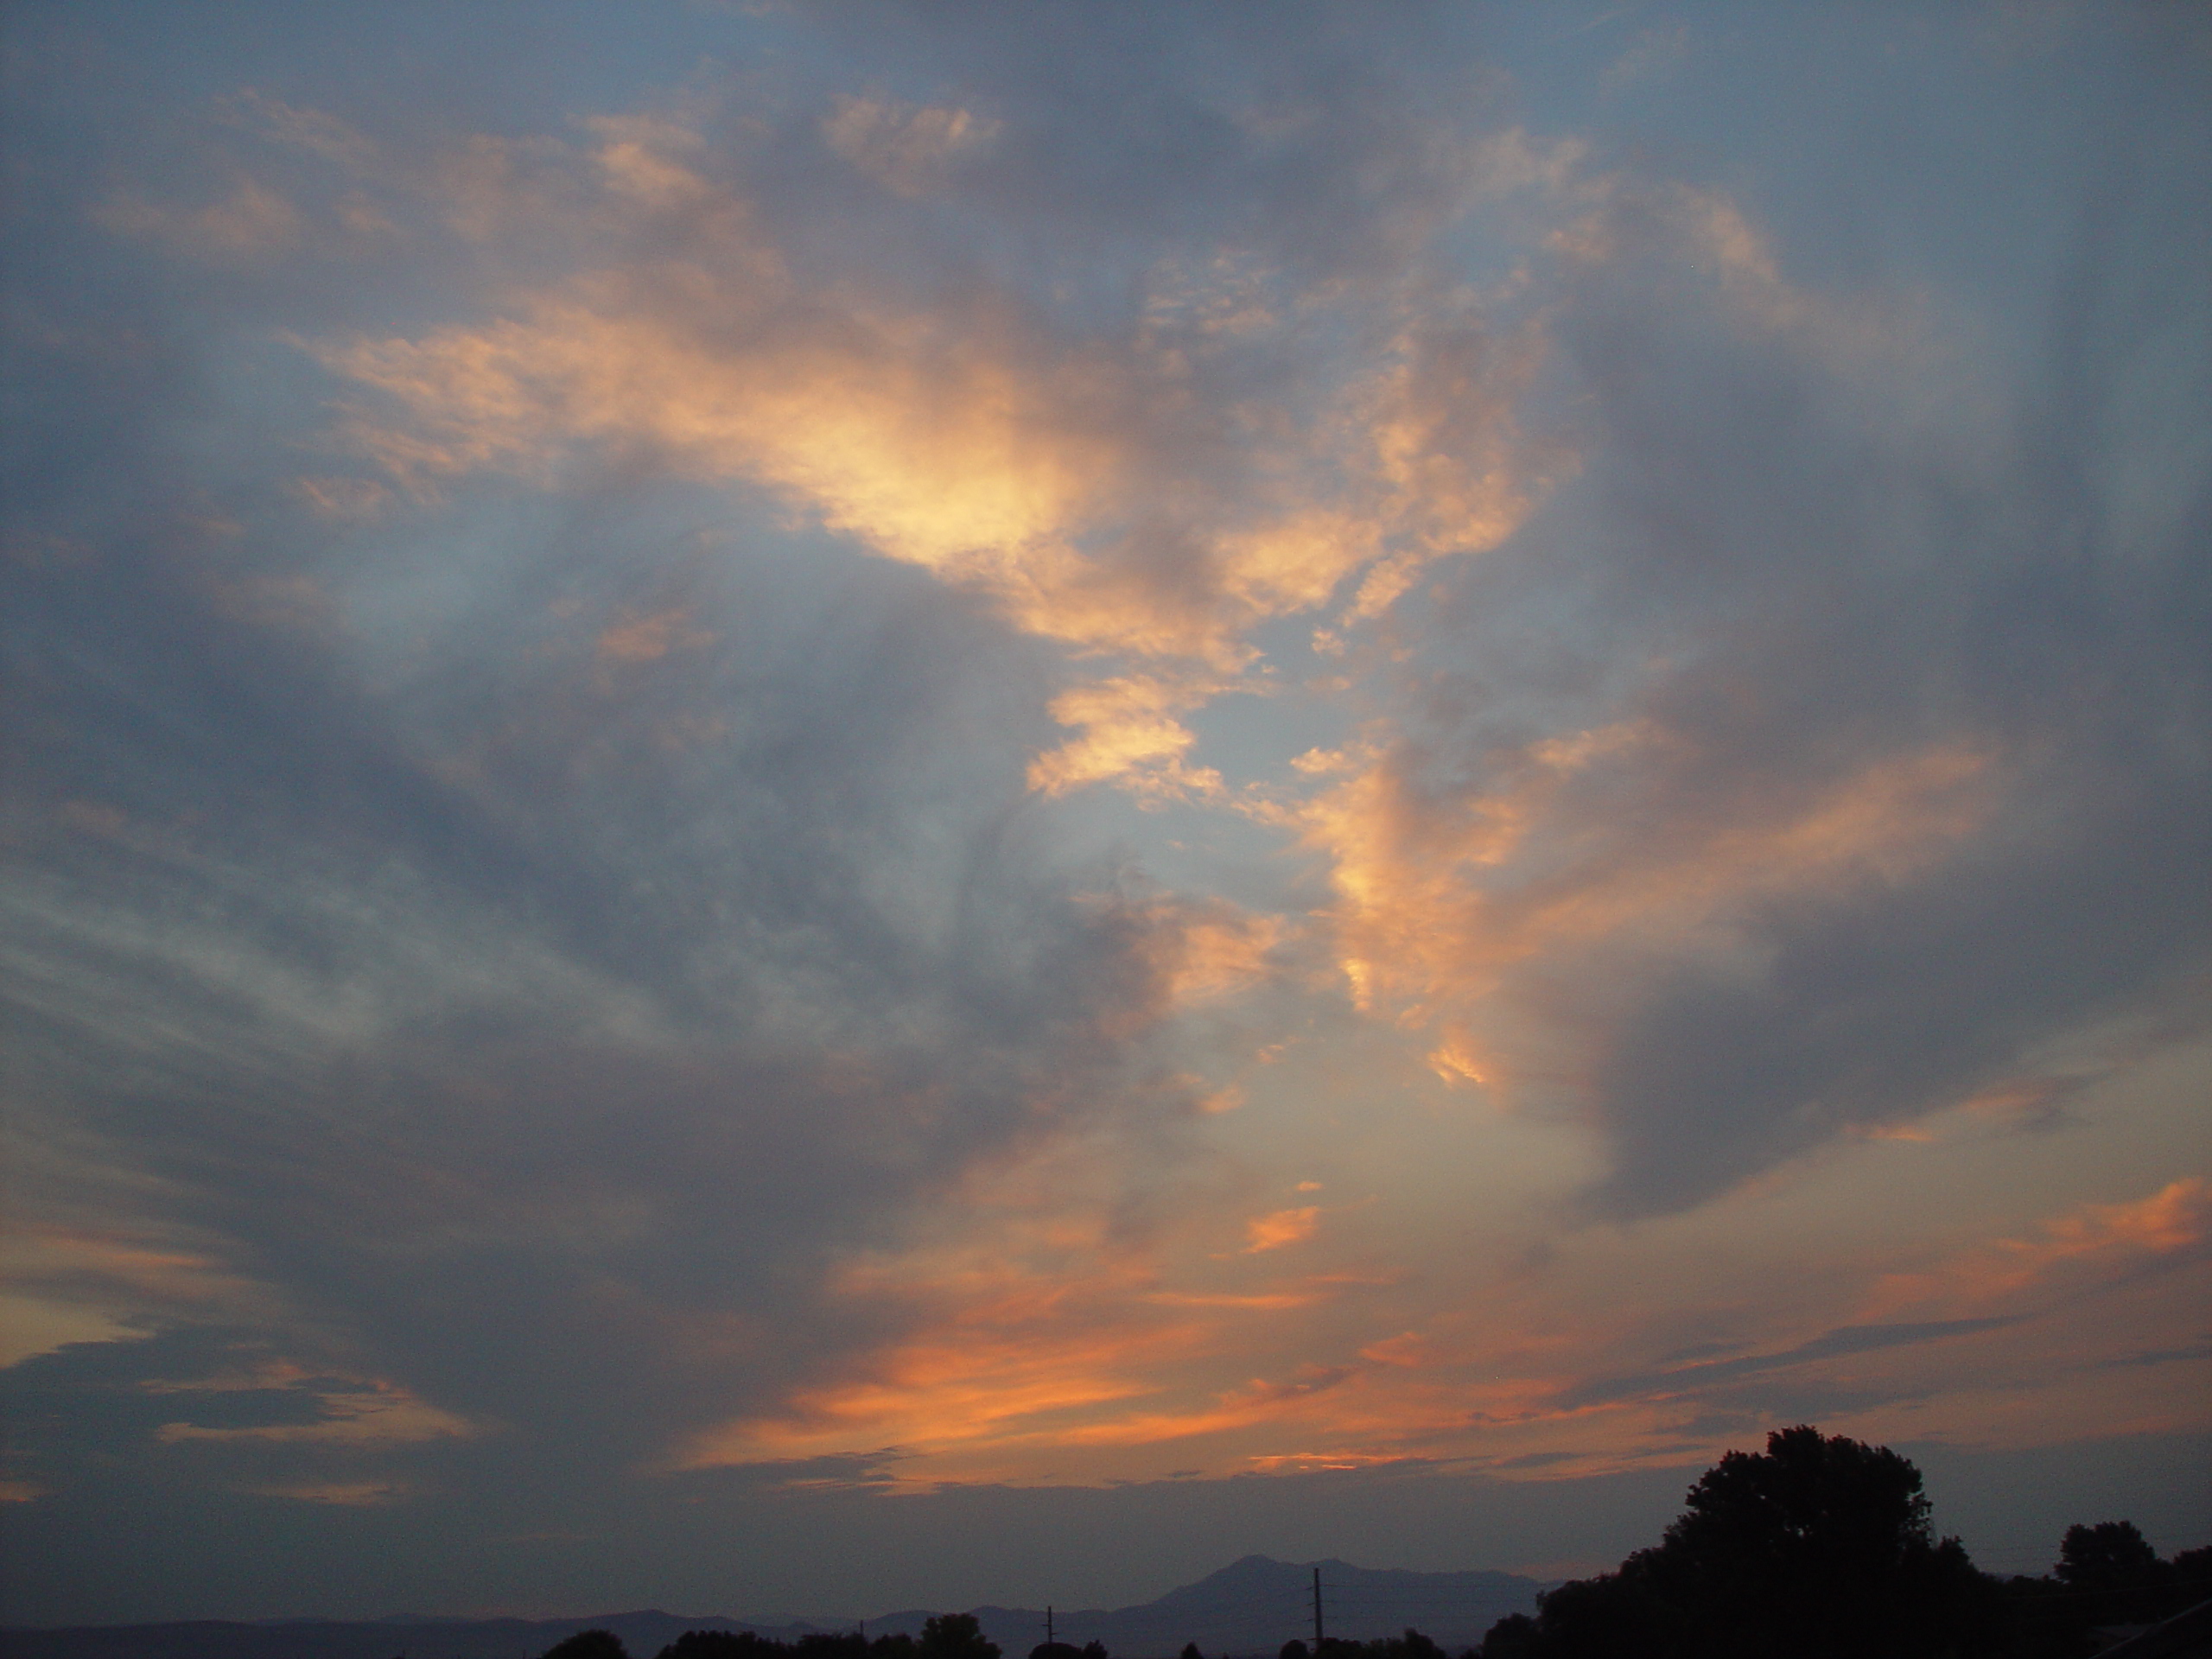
[1250, 1606]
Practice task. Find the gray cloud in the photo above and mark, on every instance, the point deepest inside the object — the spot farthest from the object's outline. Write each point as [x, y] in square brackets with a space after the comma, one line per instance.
[1794, 571]
[1698, 1380]
[532, 1027]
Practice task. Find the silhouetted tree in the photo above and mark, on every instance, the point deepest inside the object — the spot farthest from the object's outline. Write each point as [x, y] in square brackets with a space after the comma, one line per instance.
[1819, 1547]
[2105, 1574]
[2110, 1555]
[1293, 1648]
[955, 1636]
[1094, 1649]
[1598, 1618]
[1190, 1651]
[1057, 1650]
[588, 1644]
[2113, 1568]
[1513, 1637]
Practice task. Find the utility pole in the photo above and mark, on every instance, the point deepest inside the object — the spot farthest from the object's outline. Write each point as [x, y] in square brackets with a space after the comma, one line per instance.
[1048, 1624]
[1317, 1614]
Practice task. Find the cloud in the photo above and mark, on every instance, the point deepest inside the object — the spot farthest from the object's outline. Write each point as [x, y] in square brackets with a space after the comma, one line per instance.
[252, 221]
[2176, 1216]
[1271, 1232]
[515, 981]
[1692, 1381]
[1792, 845]
[1129, 732]
[674, 756]
[648, 639]
[1107, 481]
[2098, 1243]
[906, 150]
[197, 1400]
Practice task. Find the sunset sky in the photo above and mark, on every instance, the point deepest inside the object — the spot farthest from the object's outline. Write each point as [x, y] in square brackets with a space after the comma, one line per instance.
[813, 808]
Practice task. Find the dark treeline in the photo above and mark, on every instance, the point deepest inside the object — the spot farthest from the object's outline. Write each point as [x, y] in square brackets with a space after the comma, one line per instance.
[1819, 1547]
[950, 1636]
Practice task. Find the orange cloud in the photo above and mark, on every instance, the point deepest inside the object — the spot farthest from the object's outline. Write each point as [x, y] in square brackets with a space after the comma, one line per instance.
[1271, 1232]
[1130, 734]
[1258, 1401]
[2172, 1218]
[2098, 1238]
[1206, 951]
[1059, 1358]
[1017, 1360]
[1440, 900]
[1409, 1349]
[1047, 1337]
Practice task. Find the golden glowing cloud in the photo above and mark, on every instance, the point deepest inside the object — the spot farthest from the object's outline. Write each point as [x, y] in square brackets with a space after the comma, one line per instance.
[1129, 732]
[965, 439]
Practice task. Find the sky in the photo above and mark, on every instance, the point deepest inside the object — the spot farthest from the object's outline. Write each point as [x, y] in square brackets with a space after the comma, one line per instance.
[816, 807]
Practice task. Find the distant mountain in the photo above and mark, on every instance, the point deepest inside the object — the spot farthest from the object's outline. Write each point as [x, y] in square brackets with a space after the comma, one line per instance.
[1250, 1607]
[1255, 1605]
